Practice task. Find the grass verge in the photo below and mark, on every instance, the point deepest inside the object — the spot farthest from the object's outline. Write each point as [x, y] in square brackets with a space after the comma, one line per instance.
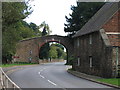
[17, 64]
[113, 81]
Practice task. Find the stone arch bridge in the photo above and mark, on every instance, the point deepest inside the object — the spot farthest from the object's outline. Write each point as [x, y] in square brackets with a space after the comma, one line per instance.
[28, 50]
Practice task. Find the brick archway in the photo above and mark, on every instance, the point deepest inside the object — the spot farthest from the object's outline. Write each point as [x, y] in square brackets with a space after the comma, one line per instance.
[29, 49]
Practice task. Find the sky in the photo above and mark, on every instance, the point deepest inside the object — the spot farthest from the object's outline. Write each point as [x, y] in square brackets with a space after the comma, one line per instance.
[52, 12]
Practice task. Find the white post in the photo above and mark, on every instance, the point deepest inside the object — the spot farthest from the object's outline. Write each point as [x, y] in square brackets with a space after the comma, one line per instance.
[7, 86]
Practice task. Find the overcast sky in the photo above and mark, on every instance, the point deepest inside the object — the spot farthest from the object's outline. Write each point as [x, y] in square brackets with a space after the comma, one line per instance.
[52, 12]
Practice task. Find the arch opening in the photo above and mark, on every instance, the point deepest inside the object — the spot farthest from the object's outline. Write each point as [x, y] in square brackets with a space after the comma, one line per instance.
[52, 51]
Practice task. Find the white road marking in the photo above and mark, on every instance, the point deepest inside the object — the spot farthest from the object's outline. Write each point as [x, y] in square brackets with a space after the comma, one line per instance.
[42, 76]
[52, 82]
[38, 72]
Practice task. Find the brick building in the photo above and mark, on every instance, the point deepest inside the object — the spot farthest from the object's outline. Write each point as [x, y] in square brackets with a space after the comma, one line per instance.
[97, 44]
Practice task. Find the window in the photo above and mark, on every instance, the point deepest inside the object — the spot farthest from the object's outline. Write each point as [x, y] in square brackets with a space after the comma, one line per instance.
[78, 42]
[30, 59]
[30, 52]
[90, 39]
[90, 58]
[78, 62]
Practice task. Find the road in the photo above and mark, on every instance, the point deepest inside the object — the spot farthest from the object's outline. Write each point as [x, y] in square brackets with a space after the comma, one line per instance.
[50, 75]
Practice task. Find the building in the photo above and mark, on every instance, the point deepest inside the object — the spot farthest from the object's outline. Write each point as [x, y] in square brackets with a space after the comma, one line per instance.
[97, 44]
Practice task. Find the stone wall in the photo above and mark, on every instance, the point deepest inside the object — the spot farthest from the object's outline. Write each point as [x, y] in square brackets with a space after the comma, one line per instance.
[27, 51]
[98, 51]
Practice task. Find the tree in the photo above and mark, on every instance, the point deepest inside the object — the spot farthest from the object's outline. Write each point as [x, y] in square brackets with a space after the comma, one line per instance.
[80, 15]
[13, 14]
[25, 31]
[44, 32]
[46, 28]
[60, 46]
[44, 51]
[35, 28]
[60, 51]
[53, 52]
[57, 52]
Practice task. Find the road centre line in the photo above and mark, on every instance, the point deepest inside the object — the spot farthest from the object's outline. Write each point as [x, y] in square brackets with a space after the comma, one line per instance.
[39, 72]
[42, 76]
[52, 82]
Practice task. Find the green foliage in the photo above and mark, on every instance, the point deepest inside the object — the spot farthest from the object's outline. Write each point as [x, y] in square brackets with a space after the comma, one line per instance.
[64, 55]
[113, 81]
[60, 51]
[53, 52]
[17, 64]
[13, 14]
[71, 69]
[25, 31]
[57, 51]
[80, 15]
[70, 60]
[46, 29]
[44, 32]
[35, 29]
[44, 51]
[60, 46]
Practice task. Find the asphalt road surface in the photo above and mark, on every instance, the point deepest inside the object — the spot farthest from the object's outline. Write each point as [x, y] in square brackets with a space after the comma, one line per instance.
[50, 75]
